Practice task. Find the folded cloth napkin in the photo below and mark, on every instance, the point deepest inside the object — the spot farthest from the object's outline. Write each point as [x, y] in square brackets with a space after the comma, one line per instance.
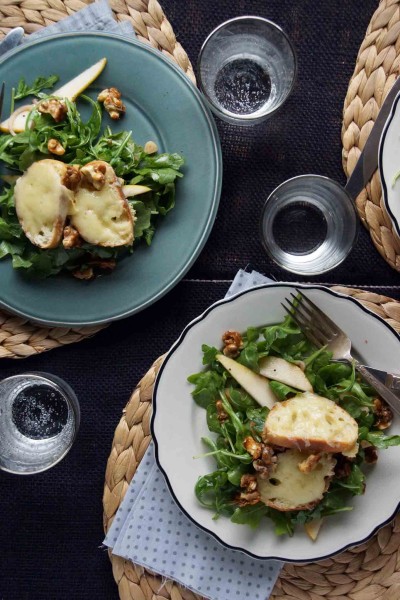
[150, 530]
[94, 17]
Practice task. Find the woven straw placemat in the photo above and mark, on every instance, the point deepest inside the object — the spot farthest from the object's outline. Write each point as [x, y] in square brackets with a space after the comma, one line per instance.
[20, 338]
[368, 572]
[377, 68]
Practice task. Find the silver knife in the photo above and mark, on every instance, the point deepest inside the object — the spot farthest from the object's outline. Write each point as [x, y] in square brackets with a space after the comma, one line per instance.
[391, 380]
[368, 160]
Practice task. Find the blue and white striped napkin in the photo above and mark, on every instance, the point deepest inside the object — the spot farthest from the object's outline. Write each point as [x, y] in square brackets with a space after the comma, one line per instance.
[150, 530]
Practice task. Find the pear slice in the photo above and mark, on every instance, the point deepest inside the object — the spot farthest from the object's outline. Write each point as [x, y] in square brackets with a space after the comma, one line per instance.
[134, 190]
[312, 528]
[285, 372]
[70, 90]
[254, 384]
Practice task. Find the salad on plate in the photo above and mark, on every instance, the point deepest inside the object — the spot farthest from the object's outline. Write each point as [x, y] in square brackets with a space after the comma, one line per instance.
[76, 197]
[293, 433]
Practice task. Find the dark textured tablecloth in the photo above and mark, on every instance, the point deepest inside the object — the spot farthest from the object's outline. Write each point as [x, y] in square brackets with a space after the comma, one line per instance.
[51, 524]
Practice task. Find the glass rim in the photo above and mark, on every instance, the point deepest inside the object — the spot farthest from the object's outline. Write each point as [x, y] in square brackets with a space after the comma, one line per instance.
[73, 403]
[245, 117]
[343, 194]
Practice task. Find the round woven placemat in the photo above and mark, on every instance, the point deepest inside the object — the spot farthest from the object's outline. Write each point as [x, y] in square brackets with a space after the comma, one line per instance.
[20, 338]
[368, 572]
[377, 68]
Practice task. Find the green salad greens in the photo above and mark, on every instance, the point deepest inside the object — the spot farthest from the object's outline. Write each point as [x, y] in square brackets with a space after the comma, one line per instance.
[83, 141]
[233, 416]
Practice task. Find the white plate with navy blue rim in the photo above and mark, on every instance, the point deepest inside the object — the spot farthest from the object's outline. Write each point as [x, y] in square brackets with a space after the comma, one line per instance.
[178, 424]
[389, 164]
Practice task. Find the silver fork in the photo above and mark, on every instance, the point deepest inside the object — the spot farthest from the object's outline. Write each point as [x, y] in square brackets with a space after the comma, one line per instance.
[322, 331]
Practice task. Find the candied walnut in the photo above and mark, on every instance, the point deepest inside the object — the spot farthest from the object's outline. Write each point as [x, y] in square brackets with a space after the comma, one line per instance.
[266, 464]
[105, 264]
[252, 447]
[54, 107]
[55, 147]
[248, 482]
[95, 174]
[343, 466]
[71, 238]
[86, 273]
[370, 455]
[222, 415]
[308, 465]
[250, 494]
[383, 414]
[232, 343]
[72, 177]
[111, 98]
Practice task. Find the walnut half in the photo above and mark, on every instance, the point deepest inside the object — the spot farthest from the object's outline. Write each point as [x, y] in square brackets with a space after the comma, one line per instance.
[54, 107]
[111, 98]
[232, 343]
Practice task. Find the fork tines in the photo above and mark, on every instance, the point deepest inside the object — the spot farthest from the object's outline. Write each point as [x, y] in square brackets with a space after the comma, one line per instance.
[314, 323]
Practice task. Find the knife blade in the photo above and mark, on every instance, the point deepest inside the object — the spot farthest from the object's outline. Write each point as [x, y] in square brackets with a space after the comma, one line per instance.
[391, 380]
[368, 160]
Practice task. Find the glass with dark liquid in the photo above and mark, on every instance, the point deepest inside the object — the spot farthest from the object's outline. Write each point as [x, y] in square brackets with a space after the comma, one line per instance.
[39, 420]
[246, 69]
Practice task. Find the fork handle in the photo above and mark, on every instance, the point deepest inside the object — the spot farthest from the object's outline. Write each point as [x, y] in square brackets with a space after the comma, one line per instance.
[381, 388]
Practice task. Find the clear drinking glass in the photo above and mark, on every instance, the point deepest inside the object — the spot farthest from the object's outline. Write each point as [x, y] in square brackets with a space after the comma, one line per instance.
[246, 69]
[39, 420]
[309, 224]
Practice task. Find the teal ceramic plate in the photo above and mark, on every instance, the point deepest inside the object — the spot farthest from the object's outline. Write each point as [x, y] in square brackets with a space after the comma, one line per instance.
[162, 105]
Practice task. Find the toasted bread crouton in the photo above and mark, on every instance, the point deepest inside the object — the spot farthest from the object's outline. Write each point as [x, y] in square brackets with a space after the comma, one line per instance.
[42, 202]
[101, 213]
[289, 488]
[310, 423]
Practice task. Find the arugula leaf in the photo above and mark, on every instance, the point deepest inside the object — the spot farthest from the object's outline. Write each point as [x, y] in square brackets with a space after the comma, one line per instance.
[208, 384]
[378, 438]
[250, 515]
[23, 89]
[209, 354]
[281, 390]
[257, 417]
[249, 357]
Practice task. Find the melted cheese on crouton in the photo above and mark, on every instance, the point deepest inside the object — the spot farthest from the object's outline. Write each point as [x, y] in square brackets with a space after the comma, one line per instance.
[312, 423]
[42, 202]
[290, 488]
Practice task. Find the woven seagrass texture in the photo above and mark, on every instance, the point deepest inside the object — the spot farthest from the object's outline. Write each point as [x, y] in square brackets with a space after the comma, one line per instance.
[146, 16]
[377, 68]
[369, 572]
[20, 338]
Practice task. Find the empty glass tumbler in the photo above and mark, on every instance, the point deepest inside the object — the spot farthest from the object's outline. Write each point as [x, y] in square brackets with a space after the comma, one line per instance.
[246, 69]
[309, 224]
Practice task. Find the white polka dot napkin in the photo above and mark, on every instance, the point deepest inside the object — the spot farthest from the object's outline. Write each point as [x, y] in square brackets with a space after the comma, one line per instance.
[150, 530]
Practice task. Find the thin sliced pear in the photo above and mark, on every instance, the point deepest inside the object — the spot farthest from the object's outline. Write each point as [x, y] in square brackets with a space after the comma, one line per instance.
[78, 84]
[254, 384]
[134, 190]
[70, 90]
[285, 372]
[312, 528]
